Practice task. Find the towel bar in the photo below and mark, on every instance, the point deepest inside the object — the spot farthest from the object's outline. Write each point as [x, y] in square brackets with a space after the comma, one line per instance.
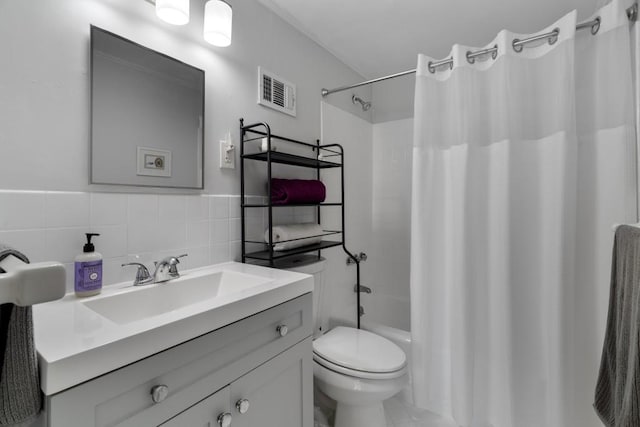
[28, 284]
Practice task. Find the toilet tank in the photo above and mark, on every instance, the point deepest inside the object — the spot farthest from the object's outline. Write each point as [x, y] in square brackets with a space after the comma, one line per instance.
[313, 265]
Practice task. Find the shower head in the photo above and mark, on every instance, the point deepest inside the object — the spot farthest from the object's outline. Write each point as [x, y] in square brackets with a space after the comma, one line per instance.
[357, 100]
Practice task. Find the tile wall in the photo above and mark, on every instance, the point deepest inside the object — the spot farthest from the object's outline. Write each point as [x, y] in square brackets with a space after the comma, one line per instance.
[50, 226]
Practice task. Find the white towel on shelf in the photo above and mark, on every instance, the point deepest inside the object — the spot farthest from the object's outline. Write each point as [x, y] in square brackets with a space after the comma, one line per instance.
[293, 236]
[264, 145]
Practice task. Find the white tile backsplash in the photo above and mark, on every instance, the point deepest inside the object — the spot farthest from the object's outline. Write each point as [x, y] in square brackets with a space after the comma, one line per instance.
[112, 240]
[234, 229]
[50, 226]
[219, 207]
[234, 207]
[198, 233]
[172, 208]
[142, 208]
[220, 253]
[64, 244]
[197, 208]
[67, 209]
[220, 230]
[108, 209]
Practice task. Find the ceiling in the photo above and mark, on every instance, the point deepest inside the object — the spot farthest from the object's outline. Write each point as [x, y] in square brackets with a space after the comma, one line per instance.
[380, 37]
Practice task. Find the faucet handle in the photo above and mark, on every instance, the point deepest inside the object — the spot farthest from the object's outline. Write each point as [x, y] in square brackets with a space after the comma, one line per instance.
[142, 274]
[173, 264]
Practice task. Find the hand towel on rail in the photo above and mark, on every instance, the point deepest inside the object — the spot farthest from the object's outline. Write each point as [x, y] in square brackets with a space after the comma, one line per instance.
[293, 236]
[290, 191]
[20, 397]
[617, 394]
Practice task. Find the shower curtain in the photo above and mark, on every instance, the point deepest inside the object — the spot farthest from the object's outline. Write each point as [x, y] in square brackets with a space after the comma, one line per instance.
[521, 165]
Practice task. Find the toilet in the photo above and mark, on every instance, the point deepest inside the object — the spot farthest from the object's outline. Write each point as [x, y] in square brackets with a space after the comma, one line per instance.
[356, 368]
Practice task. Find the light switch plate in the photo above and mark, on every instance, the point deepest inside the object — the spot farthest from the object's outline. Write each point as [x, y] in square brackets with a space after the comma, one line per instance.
[227, 155]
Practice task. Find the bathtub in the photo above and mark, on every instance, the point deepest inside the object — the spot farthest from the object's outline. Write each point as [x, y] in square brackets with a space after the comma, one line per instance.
[389, 316]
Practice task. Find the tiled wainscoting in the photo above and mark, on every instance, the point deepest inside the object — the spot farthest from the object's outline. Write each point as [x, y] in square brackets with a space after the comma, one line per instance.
[50, 226]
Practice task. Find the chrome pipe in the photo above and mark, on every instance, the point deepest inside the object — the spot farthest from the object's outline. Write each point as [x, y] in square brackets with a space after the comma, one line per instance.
[471, 56]
[593, 24]
[551, 37]
[326, 92]
[433, 65]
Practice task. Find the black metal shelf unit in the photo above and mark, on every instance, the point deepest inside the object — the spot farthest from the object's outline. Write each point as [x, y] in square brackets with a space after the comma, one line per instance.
[255, 133]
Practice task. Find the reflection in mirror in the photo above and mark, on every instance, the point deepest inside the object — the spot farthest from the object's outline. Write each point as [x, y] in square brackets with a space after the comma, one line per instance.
[147, 116]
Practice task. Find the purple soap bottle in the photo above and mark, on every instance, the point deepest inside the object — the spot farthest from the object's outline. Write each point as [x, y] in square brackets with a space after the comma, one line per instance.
[88, 270]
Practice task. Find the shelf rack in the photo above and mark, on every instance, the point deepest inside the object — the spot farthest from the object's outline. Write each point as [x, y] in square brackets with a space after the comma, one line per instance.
[256, 132]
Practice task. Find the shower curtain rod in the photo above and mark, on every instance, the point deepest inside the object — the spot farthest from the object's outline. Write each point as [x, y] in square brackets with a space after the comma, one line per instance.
[518, 45]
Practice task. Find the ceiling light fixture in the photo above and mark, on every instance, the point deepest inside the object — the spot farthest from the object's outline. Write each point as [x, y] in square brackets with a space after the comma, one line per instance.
[175, 12]
[218, 18]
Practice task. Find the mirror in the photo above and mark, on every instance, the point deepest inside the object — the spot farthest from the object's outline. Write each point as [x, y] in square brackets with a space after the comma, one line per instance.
[147, 116]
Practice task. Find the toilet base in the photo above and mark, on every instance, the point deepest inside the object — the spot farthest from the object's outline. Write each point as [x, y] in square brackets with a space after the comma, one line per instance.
[360, 415]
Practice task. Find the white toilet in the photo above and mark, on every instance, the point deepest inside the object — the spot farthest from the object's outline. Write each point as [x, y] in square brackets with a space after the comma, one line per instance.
[356, 368]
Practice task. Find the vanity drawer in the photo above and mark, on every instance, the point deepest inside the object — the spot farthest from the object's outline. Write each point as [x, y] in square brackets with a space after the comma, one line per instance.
[190, 371]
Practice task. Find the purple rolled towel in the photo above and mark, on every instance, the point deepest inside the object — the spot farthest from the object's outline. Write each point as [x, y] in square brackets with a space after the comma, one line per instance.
[291, 191]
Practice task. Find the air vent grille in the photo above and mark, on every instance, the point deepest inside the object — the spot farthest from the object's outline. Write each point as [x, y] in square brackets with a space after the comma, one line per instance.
[275, 92]
[266, 88]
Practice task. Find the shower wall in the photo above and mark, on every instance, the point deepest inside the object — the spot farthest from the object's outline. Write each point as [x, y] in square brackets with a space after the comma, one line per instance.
[355, 135]
[378, 217]
[388, 262]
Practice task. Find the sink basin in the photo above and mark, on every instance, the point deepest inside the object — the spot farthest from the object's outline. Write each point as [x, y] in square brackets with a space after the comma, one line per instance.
[154, 300]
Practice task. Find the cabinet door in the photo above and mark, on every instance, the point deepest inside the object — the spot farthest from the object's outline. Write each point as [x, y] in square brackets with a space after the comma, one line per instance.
[205, 413]
[279, 392]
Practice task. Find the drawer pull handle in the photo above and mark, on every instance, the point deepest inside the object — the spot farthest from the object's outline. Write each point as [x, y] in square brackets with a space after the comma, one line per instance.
[242, 406]
[159, 393]
[282, 330]
[224, 420]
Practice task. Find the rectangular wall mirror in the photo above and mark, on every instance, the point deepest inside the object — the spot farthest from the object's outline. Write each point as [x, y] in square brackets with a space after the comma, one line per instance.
[147, 116]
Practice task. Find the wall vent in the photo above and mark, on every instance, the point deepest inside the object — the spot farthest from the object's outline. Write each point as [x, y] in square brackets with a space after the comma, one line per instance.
[275, 92]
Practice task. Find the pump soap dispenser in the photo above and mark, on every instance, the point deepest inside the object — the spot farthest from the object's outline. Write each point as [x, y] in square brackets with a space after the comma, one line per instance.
[88, 270]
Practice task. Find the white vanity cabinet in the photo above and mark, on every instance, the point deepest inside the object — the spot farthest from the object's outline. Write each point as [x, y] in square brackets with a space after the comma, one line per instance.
[257, 371]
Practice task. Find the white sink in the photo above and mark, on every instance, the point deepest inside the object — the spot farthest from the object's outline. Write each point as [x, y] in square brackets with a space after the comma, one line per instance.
[81, 338]
[161, 298]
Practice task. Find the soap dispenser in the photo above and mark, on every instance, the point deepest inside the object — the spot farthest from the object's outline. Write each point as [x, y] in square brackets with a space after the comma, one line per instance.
[88, 270]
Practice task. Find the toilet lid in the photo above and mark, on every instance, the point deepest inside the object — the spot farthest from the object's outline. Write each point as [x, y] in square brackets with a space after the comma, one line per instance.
[360, 350]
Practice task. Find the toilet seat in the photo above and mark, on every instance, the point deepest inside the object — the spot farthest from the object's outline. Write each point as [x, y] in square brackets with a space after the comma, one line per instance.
[359, 354]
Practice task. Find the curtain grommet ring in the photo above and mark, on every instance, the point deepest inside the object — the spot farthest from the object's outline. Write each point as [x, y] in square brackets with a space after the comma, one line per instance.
[596, 26]
[554, 37]
[494, 54]
[431, 68]
[470, 60]
[517, 46]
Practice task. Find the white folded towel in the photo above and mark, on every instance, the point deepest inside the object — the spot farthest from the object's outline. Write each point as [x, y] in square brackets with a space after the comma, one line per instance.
[293, 236]
[264, 145]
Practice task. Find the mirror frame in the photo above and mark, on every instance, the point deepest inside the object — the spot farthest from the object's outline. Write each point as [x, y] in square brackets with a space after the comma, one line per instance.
[94, 29]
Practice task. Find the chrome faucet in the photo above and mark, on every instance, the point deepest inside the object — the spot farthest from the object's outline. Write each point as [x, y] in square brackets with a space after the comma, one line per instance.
[142, 275]
[167, 269]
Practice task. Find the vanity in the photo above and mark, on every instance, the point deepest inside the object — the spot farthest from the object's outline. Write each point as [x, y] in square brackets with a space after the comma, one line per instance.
[224, 345]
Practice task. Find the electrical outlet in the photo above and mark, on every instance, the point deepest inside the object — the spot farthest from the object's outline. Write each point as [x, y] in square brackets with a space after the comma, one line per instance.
[227, 155]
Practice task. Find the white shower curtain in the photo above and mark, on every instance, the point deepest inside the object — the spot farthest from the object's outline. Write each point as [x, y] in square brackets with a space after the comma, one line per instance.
[521, 165]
